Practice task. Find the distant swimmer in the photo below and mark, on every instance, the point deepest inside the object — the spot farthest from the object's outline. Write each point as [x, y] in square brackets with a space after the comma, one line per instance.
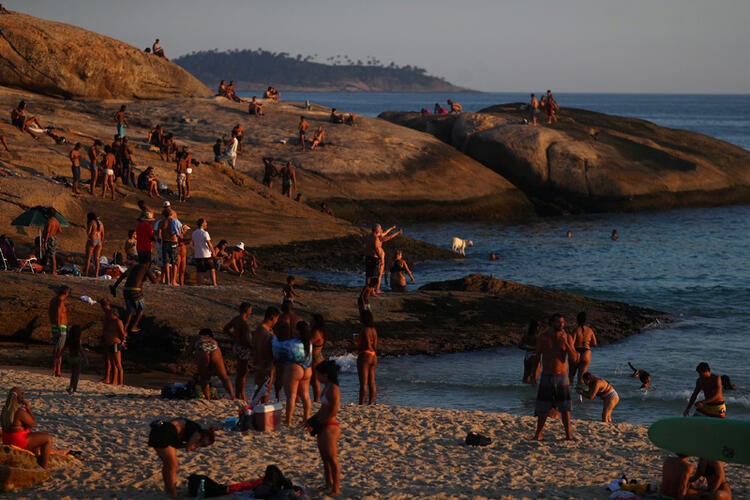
[614, 236]
[713, 404]
[493, 256]
[642, 375]
[603, 389]
[569, 234]
[726, 383]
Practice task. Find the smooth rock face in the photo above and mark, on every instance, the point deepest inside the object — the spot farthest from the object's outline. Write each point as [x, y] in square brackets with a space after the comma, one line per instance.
[594, 162]
[65, 61]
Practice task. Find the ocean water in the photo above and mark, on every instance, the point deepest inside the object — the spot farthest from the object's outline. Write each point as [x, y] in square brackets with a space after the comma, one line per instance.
[690, 263]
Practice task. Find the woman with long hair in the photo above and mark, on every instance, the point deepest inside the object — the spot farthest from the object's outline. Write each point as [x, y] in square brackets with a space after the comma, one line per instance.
[17, 422]
[210, 362]
[367, 359]
[297, 376]
[317, 340]
[326, 427]
[94, 242]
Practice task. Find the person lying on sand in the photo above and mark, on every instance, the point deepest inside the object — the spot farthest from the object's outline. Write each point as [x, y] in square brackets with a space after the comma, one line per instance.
[167, 436]
[642, 375]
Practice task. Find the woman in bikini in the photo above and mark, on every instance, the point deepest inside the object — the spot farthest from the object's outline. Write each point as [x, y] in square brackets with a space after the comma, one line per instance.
[317, 341]
[210, 362]
[167, 436]
[326, 427]
[399, 270]
[367, 359]
[94, 242]
[603, 389]
[584, 339]
[17, 422]
[131, 250]
[297, 376]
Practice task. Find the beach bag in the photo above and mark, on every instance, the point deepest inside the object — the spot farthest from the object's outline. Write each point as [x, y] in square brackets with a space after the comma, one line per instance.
[275, 485]
[474, 439]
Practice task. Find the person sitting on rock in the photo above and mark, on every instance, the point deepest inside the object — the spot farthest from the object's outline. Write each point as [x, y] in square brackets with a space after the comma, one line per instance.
[155, 136]
[455, 107]
[222, 89]
[255, 108]
[231, 93]
[273, 94]
[19, 119]
[318, 137]
[350, 119]
[157, 50]
[336, 118]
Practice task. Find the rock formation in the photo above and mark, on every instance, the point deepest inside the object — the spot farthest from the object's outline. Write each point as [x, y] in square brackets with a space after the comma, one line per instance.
[61, 60]
[595, 162]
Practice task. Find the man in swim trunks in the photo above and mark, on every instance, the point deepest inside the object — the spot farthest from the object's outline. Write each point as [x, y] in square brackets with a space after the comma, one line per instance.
[49, 239]
[713, 404]
[555, 348]
[183, 163]
[603, 389]
[676, 472]
[114, 338]
[75, 166]
[303, 126]
[58, 318]
[263, 354]
[121, 121]
[133, 293]
[239, 330]
[269, 172]
[533, 108]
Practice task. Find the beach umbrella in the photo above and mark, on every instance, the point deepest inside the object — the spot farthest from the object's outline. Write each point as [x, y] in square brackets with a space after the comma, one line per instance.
[37, 217]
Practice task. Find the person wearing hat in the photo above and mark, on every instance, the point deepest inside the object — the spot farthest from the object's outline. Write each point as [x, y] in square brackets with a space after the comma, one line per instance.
[203, 251]
[144, 234]
[237, 258]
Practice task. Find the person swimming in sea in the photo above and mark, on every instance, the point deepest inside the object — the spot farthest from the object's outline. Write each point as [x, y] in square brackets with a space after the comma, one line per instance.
[642, 375]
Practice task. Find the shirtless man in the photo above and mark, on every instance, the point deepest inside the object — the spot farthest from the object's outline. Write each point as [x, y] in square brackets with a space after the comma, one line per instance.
[110, 160]
[555, 348]
[95, 156]
[284, 329]
[113, 340]
[263, 365]
[269, 172]
[550, 106]
[676, 473]
[133, 293]
[374, 253]
[157, 50]
[603, 389]
[713, 404]
[238, 132]
[239, 330]
[75, 166]
[58, 318]
[121, 121]
[255, 108]
[49, 238]
[183, 163]
[710, 482]
[303, 126]
[288, 176]
[455, 107]
[534, 108]
[583, 339]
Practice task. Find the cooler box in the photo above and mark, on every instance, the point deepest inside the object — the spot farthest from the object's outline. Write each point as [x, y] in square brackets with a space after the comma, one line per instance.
[267, 417]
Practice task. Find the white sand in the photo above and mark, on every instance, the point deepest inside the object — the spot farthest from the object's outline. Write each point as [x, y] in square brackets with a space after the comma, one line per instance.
[384, 451]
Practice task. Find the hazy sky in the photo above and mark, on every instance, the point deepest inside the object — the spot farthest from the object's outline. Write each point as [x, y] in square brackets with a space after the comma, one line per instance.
[681, 46]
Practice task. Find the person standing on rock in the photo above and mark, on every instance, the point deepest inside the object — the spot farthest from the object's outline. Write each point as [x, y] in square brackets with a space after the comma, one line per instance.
[238, 132]
[49, 239]
[374, 253]
[230, 154]
[95, 157]
[110, 160]
[121, 121]
[203, 251]
[554, 347]
[183, 163]
[288, 176]
[269, 172]
[303, 126]
[533, 109]
[239, 330]
[75, 166]
[551, 107]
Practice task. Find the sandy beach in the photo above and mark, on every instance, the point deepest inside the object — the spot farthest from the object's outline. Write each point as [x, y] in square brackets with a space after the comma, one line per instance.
[386, 452]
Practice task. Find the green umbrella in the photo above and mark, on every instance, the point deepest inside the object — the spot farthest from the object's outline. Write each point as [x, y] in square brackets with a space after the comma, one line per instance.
[37, 216]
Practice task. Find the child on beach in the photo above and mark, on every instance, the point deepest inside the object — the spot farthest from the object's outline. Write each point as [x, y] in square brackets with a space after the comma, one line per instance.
[289, 292]
[77, 355]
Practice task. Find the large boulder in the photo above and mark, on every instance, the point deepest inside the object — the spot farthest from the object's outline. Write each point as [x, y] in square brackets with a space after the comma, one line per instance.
[61, 60]
[595, 162]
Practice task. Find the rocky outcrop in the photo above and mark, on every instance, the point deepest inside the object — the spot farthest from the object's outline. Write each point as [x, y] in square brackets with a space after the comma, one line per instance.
[61, 60]
[595, 162]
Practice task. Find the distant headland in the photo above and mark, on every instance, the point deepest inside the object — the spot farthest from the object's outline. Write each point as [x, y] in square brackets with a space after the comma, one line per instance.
[256, 69]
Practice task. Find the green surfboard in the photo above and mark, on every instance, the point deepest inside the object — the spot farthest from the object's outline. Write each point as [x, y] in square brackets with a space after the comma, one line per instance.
[705, 437]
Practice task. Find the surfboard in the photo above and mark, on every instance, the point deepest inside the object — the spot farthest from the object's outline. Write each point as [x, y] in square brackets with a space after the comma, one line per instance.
[711, 438]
